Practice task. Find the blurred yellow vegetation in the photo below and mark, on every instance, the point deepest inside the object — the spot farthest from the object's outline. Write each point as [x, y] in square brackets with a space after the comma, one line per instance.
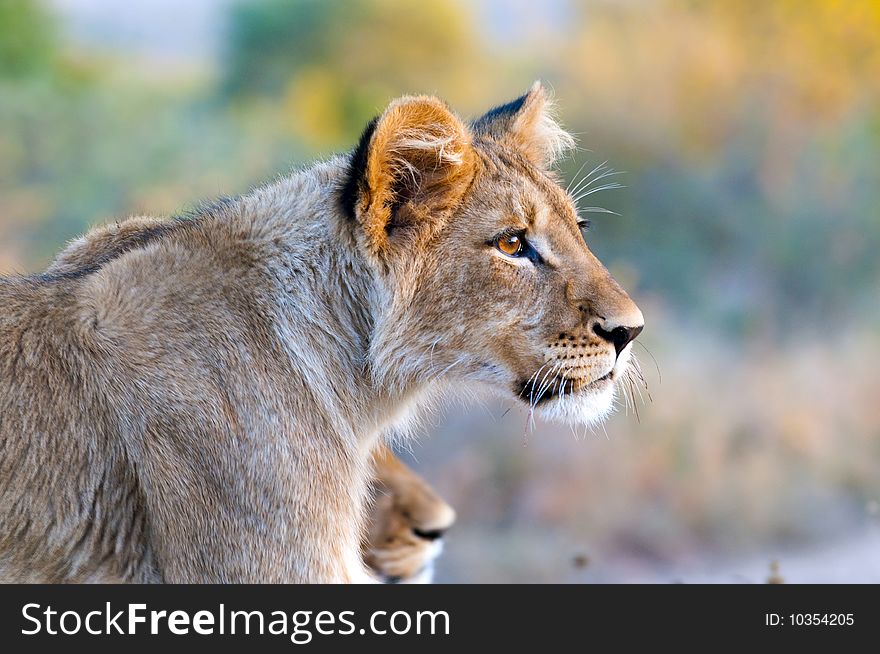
[697, 62]
[313, 107]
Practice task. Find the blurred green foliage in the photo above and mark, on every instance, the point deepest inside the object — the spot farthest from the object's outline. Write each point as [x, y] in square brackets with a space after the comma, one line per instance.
[27, 38]
[333, 63]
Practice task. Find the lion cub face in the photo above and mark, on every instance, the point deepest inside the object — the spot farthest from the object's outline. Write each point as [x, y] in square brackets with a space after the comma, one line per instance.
[490, 278]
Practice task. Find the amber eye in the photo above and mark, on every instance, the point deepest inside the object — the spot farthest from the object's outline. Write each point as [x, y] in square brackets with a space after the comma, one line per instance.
[511, 245]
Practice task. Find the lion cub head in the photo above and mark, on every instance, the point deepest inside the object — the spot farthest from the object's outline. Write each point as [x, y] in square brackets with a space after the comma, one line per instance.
[489, 279]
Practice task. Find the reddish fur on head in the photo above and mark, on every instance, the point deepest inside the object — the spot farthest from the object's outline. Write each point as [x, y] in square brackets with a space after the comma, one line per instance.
[419, 163]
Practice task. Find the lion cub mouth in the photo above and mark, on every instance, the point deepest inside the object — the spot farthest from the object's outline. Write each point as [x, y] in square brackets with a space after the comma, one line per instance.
[536, 392]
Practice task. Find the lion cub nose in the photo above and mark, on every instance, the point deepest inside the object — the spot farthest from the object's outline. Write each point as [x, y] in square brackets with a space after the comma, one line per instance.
[619, 336]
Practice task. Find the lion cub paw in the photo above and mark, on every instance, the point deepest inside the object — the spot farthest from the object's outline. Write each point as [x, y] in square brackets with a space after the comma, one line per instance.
[406, 527]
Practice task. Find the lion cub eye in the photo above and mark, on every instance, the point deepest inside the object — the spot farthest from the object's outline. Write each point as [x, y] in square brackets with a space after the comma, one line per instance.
[584, 227]
[511, 245]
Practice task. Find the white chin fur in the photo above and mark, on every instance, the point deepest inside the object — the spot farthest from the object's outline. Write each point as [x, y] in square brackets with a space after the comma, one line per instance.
[425, 576]
[585, 408]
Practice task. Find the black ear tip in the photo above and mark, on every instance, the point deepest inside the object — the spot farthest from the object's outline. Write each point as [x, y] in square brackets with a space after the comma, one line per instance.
[499, 116]
[498, 119]
[357, 170]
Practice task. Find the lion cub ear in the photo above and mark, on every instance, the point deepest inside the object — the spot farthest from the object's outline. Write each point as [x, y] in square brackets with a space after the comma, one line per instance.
[527, 125]
[412, 163]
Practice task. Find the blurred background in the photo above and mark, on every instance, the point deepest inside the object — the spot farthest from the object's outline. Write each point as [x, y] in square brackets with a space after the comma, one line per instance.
[748, 231]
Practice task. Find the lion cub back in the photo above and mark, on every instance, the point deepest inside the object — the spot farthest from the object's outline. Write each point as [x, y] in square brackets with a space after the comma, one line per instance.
[102, 244]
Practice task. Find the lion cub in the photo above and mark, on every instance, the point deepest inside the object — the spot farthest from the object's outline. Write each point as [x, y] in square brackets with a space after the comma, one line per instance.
[204, 403]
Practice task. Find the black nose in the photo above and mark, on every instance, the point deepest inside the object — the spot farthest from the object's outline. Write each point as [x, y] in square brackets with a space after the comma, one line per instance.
[620, 336]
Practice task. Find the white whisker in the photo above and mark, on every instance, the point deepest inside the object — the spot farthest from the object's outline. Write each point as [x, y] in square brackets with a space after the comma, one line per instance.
[588, 178]
[542, 389]
[604, 187]
[597, 210]
[575, 176]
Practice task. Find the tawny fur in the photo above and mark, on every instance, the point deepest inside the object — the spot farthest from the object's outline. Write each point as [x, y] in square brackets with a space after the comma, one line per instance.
[405, 507]
[203, 405]
[407, 519]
